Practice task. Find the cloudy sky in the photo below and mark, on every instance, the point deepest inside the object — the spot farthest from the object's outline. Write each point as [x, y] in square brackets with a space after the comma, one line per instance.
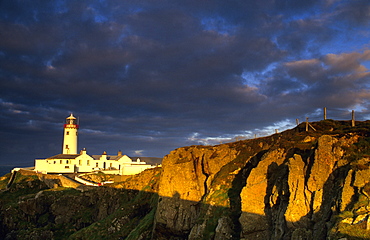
[146, 77]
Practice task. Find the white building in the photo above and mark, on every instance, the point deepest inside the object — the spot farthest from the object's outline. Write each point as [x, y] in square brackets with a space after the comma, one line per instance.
[71, 162]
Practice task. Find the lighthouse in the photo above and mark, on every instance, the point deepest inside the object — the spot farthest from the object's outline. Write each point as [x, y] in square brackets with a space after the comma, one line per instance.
[70, 135]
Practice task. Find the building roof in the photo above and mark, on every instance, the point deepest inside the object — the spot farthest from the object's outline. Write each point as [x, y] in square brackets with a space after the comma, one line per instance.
[95, 157]
[64, 156]
[116, 157]
[109, 157]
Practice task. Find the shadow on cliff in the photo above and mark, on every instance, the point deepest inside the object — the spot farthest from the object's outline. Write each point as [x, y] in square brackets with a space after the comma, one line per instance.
[216, 222]
[317, 223]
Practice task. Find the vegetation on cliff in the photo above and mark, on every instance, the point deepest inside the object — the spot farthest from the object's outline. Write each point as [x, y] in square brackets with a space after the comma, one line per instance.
[30, 210]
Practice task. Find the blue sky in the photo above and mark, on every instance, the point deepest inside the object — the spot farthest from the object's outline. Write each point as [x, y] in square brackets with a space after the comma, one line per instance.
[146, 77]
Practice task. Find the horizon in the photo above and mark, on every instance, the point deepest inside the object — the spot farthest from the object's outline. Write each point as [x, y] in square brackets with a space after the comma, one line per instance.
[25, 164]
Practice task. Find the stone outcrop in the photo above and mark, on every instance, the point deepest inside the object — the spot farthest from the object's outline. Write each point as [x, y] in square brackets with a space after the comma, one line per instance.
[185, 181]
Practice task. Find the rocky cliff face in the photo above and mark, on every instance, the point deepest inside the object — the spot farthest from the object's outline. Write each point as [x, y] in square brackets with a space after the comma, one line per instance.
[293, 185]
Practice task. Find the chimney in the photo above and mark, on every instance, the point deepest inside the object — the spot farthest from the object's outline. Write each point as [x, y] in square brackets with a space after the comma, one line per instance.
[104, 156]
[83, 151]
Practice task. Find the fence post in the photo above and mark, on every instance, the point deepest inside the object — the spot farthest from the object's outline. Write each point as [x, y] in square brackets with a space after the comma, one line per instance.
[353, 118]
[306, 124]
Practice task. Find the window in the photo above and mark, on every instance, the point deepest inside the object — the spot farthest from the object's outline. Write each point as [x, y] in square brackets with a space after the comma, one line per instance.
[79, 162]
[55, 162]
[67, 161]
[67, 133]
[88, 162]
[66, 166]
[97, 164]
[66, 146]
[61, 161]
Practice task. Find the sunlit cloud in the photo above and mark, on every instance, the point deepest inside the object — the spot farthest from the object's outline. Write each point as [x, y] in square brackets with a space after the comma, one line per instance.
[92, 132]
[138, 152]
[275, 128]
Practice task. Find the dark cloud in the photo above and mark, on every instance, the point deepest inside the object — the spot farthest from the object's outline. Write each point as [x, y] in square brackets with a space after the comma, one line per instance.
[333, 80]
[294, 6]
[356, 12]
[148, 77]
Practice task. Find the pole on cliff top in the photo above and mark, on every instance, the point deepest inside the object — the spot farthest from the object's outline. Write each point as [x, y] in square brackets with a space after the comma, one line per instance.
[306, 124]
[324, 113]
[353, 118]
[309, 125]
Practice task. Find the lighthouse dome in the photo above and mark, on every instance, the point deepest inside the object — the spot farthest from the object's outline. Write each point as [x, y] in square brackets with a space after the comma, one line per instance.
[71, 117]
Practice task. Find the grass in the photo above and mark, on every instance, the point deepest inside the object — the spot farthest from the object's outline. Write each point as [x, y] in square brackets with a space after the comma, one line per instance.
[220, 197]
[346, 214]
[131, 219]
[4, 180]
[212, 222]
[351, 232]
[145, 226]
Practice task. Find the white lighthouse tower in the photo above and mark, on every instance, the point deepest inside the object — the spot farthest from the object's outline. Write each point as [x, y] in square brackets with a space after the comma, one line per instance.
[70, 135]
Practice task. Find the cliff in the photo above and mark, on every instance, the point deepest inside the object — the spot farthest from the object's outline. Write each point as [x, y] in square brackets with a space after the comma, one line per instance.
[294, 185]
